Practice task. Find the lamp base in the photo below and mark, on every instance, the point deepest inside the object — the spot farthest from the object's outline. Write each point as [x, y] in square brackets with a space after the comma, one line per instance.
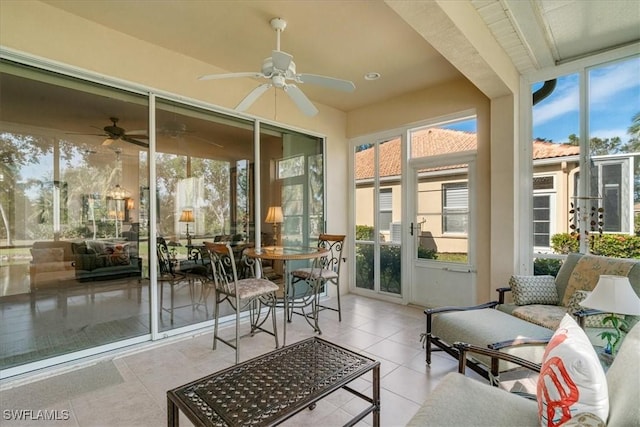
[188, 236]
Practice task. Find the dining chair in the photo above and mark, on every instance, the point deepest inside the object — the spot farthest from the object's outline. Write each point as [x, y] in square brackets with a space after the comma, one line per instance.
[329, 271]
[167, 274]
[250, 294]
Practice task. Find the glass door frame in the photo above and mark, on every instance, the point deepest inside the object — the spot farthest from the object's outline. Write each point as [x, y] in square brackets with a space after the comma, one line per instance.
[379, 139]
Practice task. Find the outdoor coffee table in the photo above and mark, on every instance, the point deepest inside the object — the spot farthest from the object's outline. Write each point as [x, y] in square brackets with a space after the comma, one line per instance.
[271, 388]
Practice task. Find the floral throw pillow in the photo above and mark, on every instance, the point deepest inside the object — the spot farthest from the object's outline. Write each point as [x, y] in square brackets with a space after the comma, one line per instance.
[534, 290]
[571, 379]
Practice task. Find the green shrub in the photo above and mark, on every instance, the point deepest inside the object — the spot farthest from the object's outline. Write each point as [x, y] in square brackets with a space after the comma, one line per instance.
[564, 243]
[424, 253]
[546, 266]
[364, 232]
[612, 245]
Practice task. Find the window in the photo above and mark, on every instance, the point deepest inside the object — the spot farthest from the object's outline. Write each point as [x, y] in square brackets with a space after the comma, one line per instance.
[543, 203]
[291, 167]
[386, 209]
[585, 134]
[455, 207]
[611, 178]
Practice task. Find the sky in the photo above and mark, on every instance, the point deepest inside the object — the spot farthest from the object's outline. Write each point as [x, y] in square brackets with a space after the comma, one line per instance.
[614, 98]
[614, 92]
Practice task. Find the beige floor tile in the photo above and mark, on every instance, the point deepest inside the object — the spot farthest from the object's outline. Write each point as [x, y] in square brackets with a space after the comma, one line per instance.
[131, 389]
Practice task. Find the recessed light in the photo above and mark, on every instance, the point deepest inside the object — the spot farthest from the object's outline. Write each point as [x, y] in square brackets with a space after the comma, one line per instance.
[372, 76]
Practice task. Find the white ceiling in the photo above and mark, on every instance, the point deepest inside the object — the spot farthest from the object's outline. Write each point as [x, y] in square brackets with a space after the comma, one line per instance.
[346, 39]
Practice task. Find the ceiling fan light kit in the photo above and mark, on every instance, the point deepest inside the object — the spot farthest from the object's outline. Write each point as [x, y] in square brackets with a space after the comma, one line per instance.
[279, 68]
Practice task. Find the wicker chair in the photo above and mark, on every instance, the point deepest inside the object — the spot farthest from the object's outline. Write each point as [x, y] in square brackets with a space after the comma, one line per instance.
[249, 293]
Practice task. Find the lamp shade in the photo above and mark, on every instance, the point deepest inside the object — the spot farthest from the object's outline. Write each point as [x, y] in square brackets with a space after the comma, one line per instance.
[186, 215]
[613, 294]
[274, 215]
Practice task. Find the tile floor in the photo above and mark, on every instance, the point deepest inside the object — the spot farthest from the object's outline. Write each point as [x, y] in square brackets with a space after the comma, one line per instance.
[129, 389]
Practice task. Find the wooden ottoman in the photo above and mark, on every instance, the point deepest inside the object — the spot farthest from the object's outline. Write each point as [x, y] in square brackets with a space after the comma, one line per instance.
[486, 327]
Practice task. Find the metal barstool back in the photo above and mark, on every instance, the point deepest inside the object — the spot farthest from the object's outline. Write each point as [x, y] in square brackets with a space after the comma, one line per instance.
[330, 267]
[249, 294]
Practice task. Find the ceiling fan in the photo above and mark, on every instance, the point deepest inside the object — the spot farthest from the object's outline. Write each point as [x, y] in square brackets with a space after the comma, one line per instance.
[279, 69]
[176, 130]
[113, 132]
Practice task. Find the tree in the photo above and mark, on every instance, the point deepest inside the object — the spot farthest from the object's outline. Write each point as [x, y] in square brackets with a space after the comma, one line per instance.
[16, 151]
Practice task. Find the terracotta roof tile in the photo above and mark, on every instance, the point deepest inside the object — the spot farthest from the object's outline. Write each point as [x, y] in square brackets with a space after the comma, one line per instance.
[436, 141]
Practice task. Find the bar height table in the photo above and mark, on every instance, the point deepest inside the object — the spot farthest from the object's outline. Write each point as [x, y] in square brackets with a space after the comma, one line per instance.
[284, 254]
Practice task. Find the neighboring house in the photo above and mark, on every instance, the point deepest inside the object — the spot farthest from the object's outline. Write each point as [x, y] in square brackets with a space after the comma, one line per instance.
[555, 180]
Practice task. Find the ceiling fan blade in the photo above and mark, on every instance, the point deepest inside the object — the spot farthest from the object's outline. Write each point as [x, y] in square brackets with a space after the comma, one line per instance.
[142, 133]
[281, 60]
[253, 96]
[135, 141]
[301, 100]
[230, 75]
[329, 82]
[207, 141]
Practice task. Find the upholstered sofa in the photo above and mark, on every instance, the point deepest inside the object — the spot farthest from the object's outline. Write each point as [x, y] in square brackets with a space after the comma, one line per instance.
[523, 326]
[544, 300]
[459, 400]
[55, 262]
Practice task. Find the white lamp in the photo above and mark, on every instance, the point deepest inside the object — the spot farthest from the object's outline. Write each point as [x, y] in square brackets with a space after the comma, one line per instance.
[613, 294]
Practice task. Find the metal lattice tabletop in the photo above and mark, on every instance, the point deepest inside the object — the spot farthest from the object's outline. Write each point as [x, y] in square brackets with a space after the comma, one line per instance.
[271, 388]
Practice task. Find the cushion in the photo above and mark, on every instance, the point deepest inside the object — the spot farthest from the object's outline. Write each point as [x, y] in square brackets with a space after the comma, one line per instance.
[534, 290]
[593, 321]
[545, 315]
[86, 262]
[588, 269]
[116, 254]
[47, 255]
[585, 420]
[95, 246]
[571, 379]
[79, 248]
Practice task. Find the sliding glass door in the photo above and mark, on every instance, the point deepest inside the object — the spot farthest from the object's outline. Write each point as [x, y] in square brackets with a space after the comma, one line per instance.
[73, 249]
[77, 229]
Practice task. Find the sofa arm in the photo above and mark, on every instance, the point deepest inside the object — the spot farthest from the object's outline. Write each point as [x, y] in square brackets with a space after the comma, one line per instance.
[582, 315]
[495, 355]
[430, 311]
[501, 292]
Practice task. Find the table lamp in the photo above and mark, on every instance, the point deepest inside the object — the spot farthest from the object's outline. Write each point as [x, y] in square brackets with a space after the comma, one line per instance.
[613, 294]
[187, 216]
[275, 217]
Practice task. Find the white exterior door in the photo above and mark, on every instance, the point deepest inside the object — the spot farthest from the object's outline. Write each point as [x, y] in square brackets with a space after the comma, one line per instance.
[441, 230]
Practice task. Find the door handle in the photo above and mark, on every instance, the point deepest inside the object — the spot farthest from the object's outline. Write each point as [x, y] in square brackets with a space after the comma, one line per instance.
[411, 228]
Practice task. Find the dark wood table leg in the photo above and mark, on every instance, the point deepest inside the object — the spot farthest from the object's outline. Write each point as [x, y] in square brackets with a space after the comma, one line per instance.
[173, 414]
[376, 396]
